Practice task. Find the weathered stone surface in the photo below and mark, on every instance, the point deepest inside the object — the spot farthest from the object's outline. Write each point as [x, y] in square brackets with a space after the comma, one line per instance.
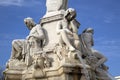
[55, 5]
[53, 50]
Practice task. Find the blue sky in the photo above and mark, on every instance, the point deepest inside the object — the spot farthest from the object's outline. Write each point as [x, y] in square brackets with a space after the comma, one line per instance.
[102, 15]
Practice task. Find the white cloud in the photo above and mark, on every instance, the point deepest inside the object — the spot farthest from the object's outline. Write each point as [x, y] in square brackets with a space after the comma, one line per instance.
[19, 2]
[104, 41]
[11, 2]
[109, 47]
[107, 21]
[6, 36]
[109, 18]
[6, 39]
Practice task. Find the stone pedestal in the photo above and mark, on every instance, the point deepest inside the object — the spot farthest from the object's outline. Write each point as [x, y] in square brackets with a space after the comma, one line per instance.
[65, 72]
[65, 69]
[49, 23]
[56, 5]
[13, 74]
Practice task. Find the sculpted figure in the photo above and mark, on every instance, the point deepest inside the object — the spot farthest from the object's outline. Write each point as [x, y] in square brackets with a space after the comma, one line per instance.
[39, 65]
[93, 58]
[19, 49]
[33, 40]
[39, 62]
[36, 38]
[65, 30]
[19, 46]
[56, 5]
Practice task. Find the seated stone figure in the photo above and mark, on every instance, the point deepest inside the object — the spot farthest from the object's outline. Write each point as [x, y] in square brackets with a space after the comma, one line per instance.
[65, 30]
[93, 58]
[19, 46]
[34, 39]
[18, 49]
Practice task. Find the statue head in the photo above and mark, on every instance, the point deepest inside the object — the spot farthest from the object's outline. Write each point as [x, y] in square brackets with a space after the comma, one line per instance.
[89, 30]
[70, 14]
[29, 22]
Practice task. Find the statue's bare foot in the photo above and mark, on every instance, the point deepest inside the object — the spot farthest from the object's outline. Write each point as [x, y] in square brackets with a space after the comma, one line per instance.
[71, 48]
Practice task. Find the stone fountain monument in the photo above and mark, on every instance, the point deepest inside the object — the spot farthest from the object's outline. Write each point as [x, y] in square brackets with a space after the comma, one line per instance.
[53, 50]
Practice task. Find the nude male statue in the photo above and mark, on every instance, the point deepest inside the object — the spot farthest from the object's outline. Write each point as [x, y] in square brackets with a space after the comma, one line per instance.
[67, 28]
